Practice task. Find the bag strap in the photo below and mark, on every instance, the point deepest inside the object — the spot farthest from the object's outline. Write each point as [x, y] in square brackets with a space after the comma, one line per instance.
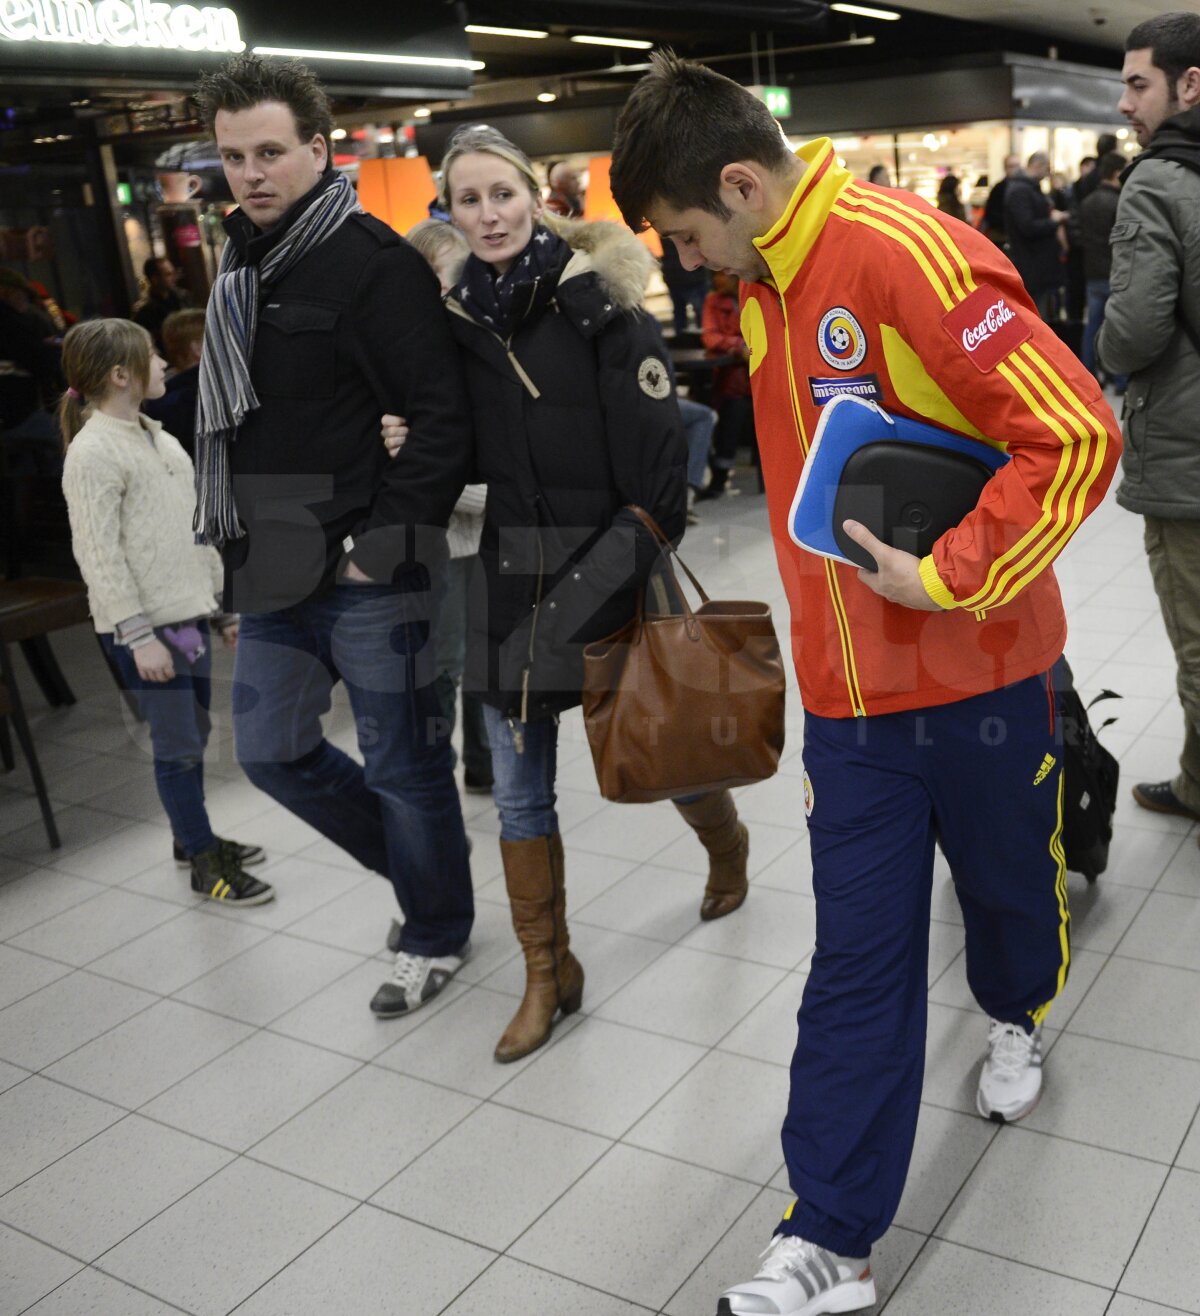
[668, 551]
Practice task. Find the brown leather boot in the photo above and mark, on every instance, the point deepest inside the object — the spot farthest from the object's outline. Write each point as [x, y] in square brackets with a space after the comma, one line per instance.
[714, 819]
[533, 873]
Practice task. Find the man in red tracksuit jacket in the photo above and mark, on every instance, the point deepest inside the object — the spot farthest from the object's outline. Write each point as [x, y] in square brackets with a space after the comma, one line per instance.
[929, 708]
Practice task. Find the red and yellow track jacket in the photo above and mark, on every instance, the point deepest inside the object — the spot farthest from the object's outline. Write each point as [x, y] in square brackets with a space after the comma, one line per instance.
[874, 292]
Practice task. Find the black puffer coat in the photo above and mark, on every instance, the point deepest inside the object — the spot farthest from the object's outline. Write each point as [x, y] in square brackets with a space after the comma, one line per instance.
[575, 420]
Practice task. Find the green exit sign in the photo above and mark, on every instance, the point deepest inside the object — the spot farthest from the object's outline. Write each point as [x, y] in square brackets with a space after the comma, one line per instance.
[777, 99]
[124, 194]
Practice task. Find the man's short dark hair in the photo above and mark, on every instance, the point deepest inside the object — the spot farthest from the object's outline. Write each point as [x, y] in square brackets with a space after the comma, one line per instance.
[1173, 41]
[247, 80]
[681, 125]
[1110, 165]
[1104, 143]
[150, 267]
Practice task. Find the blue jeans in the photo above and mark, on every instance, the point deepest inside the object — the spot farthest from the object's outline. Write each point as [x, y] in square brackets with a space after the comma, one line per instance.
[177, 713]
[1098, 293]
[524, 789]
[524, 780]
[399, 814]
[451, 654]
[699, 422]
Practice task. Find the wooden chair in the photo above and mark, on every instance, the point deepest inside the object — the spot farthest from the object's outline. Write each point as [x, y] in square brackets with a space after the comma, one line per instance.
[29, 610]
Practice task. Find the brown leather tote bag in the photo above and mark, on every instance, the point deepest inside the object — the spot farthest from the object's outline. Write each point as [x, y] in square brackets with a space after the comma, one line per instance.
[684, 703]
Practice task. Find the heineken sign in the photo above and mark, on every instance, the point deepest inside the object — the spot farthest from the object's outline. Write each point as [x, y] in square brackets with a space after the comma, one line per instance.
[144, 24]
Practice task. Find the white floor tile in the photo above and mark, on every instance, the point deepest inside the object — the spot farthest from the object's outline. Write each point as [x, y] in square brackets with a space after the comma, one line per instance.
[661, 903]
[357, 920]
[947, 1149]
[1015, 1201]
[1189, 1153]
[272, 1218]
[269, 979]
[22, 974]
[691, 995]
[78, 826]
[44, 1027]
[946, 1278]
[777, 928]
[145, 1055]
[511, 1286]
[1101, 912]
[339, 1017]
[768, 842]
[250, 1090]
[1166, 1266]
[768, 1032]
[609, 959]
[41, 1121]
[1113, 1096]
[300, 888]
[724, 1115]
[38, 895]
[602, 1077]
[1166, 931]
[1123, 1305]
[1181, 877]
[117, 858]
[355, 1137]
[177, 952]
[1126, 1004]
[84, 933]
[90, 1291]
[372, 1264]
[93, 1197]
[29, 1269]
[620, 1228]
[952, 987]
[491, 1177]
[627, 832]
[475, 1020]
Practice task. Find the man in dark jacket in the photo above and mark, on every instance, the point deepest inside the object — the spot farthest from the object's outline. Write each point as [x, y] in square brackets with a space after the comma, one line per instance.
[993, 211]
[1035, 242]
[1151, 332]
[321, 319]
[162, 298]
[1097, 216]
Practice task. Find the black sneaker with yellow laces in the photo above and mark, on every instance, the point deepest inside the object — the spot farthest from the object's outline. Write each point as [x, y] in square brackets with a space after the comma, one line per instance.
[217, 875]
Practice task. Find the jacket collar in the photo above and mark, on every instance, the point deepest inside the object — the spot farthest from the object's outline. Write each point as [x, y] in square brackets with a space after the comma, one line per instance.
[785, 246]
[253, 242]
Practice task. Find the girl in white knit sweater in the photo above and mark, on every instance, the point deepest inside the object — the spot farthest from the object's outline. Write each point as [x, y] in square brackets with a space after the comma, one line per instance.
[151, 589]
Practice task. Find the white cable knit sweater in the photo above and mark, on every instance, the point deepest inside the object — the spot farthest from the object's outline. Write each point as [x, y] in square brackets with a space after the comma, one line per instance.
[131, 501]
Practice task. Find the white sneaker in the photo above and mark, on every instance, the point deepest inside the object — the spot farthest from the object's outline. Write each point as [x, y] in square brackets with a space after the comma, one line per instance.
[798, 1278]
[416, 980]
[1011, 1079]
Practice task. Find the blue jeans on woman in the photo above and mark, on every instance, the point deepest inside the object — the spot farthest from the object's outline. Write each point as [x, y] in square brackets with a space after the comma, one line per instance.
[398, 815]
[524, 789]
[177, 713]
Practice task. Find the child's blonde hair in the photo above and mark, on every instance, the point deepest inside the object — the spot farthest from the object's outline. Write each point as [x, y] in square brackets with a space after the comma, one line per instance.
[433, 236]
[90, 351]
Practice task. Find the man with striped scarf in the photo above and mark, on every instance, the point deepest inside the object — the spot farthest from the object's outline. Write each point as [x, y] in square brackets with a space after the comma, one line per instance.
[321, 319]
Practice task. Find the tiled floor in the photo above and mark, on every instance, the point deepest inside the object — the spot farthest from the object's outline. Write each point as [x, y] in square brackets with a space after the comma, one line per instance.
[198, 1113]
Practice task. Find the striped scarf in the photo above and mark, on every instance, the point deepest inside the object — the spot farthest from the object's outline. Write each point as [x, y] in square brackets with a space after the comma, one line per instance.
[226, 393]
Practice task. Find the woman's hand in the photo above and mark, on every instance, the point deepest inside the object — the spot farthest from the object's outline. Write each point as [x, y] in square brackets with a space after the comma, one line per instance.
[154, 661]
[229, 635]
[395, 431]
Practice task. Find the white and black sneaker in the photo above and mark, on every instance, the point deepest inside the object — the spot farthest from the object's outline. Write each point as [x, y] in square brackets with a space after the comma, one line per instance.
[245, 855]
[1011, 1079]
[798, 1278]
[416, 980]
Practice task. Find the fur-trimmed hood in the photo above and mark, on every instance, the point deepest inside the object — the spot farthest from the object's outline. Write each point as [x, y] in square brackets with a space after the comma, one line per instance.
[621, 263]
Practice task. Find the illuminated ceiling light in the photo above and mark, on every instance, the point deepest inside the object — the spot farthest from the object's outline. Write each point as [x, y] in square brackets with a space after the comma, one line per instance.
[546, 97]
[865, 11]
[481, 29]
[626, 43]
[422, 112]
[338, 135]
[368, 57]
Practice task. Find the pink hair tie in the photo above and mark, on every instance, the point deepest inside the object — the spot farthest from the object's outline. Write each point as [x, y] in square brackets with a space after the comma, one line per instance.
[74, 393]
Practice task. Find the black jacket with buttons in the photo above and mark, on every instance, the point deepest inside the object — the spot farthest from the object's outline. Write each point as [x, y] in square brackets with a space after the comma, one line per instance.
[355, 329]
[575, 420]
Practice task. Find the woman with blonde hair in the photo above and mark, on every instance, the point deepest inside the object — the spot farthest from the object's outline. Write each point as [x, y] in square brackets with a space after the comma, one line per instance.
[575, 425]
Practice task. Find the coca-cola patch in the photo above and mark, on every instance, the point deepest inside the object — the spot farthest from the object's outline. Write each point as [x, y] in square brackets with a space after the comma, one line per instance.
[986, 327]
